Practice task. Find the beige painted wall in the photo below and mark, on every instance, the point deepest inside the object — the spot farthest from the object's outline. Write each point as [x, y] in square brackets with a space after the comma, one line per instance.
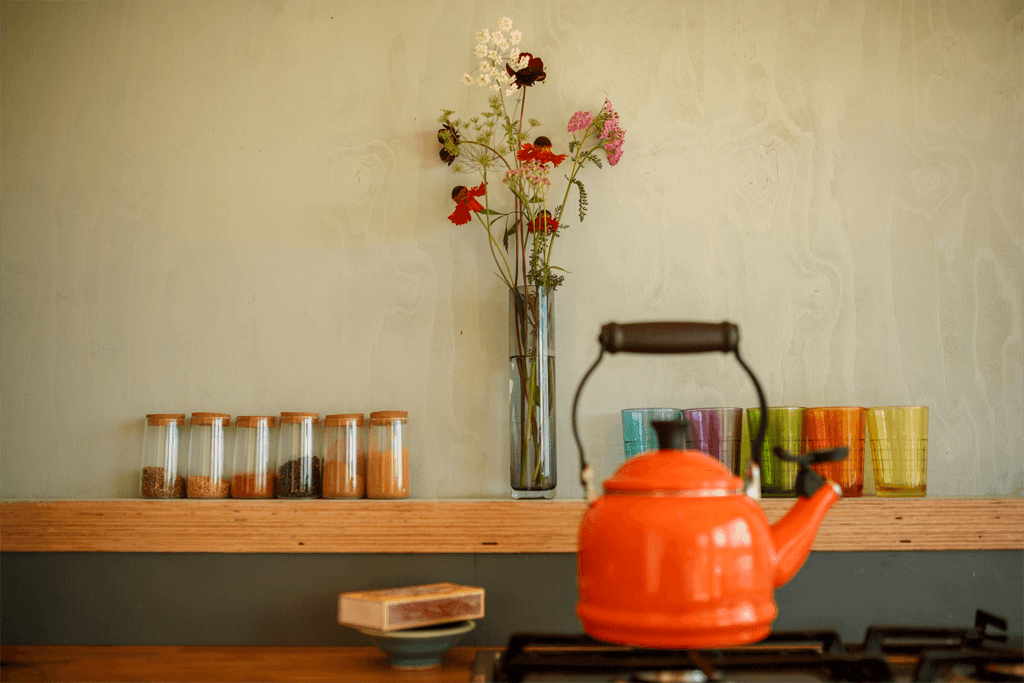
[238, 207]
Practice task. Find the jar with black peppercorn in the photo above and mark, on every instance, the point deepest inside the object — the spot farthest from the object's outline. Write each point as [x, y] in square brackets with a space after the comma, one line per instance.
[387, 466]
[255, 462]
[163, 456]
[208, 470]
[298, 462]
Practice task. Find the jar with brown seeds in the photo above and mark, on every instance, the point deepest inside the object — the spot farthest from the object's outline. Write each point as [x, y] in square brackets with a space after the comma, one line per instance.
[209, 474]
[164, 456]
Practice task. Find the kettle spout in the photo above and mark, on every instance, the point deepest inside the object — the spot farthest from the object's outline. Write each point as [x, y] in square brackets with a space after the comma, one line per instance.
[794, 533]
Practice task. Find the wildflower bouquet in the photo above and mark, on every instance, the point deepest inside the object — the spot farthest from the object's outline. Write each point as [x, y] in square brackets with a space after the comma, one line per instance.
[521, 221]
[495, 145]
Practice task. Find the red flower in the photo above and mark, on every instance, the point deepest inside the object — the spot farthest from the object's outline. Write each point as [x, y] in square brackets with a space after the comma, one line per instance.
[543, 222]
[464, 203]
[532, 73]
[541, 151]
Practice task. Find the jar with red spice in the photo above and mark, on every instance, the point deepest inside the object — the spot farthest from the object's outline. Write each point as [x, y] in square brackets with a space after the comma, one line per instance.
[163, 456]
[387, 466]
[298, 458]
[255, 461]
[208, 470]
[344, 456]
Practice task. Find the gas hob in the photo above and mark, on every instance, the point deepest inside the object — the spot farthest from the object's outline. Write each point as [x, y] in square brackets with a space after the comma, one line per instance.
[888, 653]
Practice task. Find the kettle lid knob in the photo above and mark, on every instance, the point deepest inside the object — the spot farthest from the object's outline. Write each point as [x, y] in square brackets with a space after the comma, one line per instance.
[673, 435]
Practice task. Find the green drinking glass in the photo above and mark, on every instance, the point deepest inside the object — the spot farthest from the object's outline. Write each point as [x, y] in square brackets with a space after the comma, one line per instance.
[786, 430]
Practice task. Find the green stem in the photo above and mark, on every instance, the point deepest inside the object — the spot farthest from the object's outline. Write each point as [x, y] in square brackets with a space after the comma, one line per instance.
[577, 164]
[492, 243]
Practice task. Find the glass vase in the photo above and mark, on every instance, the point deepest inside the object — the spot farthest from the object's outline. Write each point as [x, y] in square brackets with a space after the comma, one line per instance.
[531, 337]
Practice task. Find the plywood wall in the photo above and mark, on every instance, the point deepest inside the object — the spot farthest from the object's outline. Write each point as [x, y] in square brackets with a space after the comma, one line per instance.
[239, 207]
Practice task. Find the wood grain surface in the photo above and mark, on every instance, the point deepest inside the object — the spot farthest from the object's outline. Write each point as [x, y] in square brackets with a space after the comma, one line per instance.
[841, 179]
[322, 526]
[185, 664]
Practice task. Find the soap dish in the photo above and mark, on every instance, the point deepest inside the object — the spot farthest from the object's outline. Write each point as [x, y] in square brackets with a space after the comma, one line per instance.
[418, 648]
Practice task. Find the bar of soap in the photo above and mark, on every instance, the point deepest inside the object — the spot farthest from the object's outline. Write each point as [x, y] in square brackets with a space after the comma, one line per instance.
[392, 609]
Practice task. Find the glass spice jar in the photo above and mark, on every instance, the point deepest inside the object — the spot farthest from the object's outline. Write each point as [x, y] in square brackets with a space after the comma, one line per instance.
[163, 468]
[387, 467]
[208, 475]
[255, 460]
[344, 456]
[298, 465]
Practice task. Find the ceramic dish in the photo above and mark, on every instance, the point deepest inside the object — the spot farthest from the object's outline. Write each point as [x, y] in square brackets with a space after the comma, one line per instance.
[418, 648]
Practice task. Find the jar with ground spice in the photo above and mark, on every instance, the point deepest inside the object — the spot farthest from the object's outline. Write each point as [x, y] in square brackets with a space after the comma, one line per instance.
[298, 459]
[163, 458]
[387, 467]
[344, 456]
[255, 461]
[208, 475]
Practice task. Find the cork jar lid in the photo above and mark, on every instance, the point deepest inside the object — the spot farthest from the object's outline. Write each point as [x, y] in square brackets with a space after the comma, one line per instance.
[344, 419]
[211, 418]
[165, 419]
[299, 418]
[253, 421]
[389, 416]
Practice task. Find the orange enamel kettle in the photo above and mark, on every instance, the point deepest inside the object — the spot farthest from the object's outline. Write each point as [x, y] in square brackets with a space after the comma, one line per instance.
[677, 553]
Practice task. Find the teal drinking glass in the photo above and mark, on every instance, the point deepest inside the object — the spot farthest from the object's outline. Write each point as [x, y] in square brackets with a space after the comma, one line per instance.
[637, 434]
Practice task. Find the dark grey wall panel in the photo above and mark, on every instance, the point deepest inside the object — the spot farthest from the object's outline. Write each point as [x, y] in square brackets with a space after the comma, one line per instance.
[204, 599]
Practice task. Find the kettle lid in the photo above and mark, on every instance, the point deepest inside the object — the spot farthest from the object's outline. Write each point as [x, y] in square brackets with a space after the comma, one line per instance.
[674, 470]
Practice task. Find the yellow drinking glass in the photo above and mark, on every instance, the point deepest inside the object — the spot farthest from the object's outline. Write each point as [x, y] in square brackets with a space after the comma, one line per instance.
[898, 438]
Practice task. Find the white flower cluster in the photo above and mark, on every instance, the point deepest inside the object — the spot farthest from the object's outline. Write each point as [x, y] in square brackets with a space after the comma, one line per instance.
[496, 49]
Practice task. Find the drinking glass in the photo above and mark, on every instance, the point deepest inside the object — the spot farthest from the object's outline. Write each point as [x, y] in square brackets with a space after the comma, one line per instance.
[637, 434]
[834, 427]
[898, 438]
[717, 432]
[785, 429]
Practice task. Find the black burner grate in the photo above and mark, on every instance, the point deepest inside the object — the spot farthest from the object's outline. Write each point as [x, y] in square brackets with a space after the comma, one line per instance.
[932, 654]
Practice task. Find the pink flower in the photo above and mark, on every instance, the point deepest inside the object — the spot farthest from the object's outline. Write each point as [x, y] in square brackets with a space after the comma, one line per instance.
[614, 151]
[581, 120]
[612, 134]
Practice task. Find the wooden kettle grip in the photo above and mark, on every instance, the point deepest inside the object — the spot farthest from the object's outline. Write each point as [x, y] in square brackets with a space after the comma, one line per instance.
[669, 337]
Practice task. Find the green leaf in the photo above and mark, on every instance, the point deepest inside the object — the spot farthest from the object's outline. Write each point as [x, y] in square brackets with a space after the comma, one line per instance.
[583, 197]
[508, 233]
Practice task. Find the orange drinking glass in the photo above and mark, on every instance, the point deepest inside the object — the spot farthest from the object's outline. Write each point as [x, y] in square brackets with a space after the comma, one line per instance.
[834, 427]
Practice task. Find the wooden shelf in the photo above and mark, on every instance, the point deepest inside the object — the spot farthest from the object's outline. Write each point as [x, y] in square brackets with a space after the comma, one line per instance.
[462, 526]
[110, 663]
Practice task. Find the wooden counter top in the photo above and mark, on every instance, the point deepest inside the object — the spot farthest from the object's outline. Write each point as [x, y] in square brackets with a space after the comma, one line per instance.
[245, 664]
[457, 526]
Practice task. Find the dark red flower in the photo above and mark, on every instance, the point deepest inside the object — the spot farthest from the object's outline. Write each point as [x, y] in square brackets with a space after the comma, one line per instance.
[445, 134]
[465, 202]
[541, 151]
[543, 222]
[529, 74]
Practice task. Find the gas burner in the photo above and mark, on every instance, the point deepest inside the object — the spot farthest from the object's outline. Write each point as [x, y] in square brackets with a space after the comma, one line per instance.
[888, 653]
[690, 676]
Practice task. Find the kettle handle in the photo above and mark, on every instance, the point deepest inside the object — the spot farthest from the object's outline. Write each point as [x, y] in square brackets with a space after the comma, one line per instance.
[674, 337]
[669, 337]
